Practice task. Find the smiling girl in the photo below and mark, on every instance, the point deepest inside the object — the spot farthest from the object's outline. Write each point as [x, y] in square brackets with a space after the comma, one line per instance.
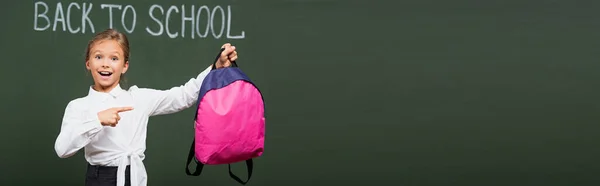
[110, 123]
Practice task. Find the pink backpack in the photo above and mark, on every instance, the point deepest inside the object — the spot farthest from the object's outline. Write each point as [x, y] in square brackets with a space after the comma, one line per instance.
[229, 121]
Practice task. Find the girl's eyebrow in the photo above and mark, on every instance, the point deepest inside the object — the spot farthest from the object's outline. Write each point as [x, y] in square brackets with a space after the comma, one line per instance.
[114, 52]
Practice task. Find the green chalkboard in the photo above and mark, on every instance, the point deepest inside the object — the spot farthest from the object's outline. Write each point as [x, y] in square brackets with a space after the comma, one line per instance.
[357, 92]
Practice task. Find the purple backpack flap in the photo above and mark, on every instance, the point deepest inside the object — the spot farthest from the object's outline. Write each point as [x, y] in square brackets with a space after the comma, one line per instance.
[229, 122]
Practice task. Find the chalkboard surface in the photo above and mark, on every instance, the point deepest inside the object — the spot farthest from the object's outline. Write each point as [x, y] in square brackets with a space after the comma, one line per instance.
[357, 92]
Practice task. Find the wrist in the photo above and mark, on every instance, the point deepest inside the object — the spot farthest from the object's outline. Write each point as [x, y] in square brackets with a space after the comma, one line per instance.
[98, 119]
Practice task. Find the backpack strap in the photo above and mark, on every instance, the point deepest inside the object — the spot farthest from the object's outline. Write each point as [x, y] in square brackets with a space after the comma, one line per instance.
[200, 166]
[250, 166]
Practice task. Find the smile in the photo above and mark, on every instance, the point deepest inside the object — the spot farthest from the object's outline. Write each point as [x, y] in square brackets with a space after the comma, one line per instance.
[105, 73]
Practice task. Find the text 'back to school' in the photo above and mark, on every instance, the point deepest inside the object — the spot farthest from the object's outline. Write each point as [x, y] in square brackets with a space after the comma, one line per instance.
[193, 21]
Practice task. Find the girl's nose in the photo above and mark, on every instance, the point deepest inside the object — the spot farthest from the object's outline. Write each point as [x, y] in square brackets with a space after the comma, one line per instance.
[105, 63]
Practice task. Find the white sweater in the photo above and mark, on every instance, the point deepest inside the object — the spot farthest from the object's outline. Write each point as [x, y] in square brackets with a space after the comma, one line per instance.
[125, 143]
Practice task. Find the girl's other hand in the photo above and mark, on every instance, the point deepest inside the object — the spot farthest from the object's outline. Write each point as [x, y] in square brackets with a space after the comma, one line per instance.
[227, 56]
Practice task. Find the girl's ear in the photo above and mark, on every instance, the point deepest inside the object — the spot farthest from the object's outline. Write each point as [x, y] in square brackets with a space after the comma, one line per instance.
[125, 67]
[87, 65]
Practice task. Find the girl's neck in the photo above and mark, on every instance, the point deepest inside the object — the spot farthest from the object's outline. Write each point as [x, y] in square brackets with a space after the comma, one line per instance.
[100, 88]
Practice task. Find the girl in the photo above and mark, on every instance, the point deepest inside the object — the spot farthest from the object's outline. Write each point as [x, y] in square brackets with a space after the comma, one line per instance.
[110, 123]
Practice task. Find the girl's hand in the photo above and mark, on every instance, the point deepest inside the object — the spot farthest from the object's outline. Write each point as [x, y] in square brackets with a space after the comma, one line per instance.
[227, 56]
[110, 117]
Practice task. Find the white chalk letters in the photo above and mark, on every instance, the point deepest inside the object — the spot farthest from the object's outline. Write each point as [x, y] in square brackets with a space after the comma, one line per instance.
[42, 22]
[195, 21]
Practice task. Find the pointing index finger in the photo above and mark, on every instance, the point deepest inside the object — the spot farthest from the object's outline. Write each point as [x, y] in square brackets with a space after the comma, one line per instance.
[123, 109]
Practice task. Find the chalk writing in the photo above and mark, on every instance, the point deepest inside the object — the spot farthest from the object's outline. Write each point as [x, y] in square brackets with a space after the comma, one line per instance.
[196, 21]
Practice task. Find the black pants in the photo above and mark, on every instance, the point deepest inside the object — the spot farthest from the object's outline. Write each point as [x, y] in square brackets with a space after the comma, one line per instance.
[104, 176]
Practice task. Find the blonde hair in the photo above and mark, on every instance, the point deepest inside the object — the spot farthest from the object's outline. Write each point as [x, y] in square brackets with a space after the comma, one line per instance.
[110, 34]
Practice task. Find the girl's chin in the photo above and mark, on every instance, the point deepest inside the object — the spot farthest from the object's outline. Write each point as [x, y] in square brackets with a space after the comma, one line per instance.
[105, 85]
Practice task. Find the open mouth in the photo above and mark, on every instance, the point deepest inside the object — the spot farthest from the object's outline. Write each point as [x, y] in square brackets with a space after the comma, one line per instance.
[105, 73]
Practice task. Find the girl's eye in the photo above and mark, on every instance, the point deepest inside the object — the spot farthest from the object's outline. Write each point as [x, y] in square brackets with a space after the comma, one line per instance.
[114, 58]
[97, 57]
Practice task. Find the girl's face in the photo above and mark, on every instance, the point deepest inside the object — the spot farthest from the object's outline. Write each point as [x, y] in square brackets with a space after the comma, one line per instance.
[106, 64]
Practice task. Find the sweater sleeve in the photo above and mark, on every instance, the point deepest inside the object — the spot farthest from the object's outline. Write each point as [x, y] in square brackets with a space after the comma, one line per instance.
[175, 99]
[78, 127]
